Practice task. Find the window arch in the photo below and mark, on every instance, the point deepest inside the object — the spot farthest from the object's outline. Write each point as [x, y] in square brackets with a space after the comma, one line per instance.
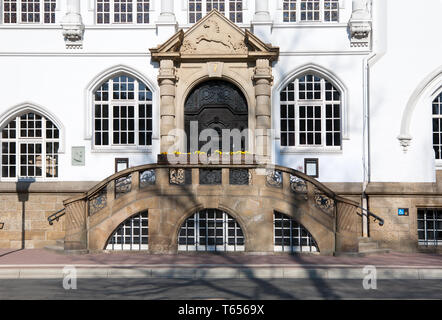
[210, 230]
[132, 234]
[122, 113]
[290, 236]
[233, 9]
[311, 10]
[437, 126]
[30, 147]
[310, 113]
[122, 11]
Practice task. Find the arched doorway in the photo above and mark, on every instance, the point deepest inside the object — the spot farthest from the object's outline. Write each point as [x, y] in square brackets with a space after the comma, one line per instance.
[217, 105]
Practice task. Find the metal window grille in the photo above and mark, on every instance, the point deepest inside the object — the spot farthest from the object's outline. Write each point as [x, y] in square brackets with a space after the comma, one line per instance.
[289, 10]
[437, 126]
[123, 113]
[429, 227]
[310, 113]
[210, 230]
[30, 145]
[132, 234]
[122, 11]
[290, 236]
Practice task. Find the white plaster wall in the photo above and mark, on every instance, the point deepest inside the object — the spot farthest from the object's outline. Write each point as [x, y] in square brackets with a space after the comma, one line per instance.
[412, 53]
[36, 67]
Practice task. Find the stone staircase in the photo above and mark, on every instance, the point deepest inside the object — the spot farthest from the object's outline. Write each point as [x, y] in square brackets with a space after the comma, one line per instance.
[57, 248]
[366, 247]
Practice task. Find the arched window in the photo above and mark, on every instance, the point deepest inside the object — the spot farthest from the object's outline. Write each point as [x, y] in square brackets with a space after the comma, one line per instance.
[290, 236]
[233, 9]
[122, 11]
[123, 113]
[311, 10]
[29, 11]
[132, 234]
[211, 230]
[437, 126]
[310, 111]
[30, 144]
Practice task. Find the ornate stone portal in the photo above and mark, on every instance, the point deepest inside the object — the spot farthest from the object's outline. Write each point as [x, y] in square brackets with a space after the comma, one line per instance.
[215, 48]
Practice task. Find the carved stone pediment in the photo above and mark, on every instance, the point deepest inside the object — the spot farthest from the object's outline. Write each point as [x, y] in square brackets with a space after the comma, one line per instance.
[214, 37]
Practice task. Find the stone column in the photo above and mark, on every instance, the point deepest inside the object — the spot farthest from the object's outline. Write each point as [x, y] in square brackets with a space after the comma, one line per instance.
[72, 25]
[262, 23]
[261, 10]
[167, 82]
[263, 82]
[166, 24]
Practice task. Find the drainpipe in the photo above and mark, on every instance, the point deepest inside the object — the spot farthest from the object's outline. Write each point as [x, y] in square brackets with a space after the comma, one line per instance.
[379, 47]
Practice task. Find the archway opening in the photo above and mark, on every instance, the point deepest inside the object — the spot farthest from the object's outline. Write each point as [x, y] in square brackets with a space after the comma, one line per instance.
[211, 230]
[221, 107]
[291, 236]
[131, 234]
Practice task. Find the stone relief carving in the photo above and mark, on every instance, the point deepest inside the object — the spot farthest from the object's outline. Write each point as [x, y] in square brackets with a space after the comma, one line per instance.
[212, 33]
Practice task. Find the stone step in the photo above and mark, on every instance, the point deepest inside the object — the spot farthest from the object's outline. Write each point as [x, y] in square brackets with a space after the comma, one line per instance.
[60, 243]
[55, 248]
[367, 246]
[362, 254]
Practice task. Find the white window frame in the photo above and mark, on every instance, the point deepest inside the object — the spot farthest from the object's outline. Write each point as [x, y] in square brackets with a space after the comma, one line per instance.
[33, 140]
[204, 10]
[322, 103]
[321, 13]
[438, 162]
[19, 14]
[112, 12]
[111, 103]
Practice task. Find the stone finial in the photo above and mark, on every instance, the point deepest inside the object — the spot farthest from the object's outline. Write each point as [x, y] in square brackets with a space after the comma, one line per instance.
[73, 27]
[360, 23]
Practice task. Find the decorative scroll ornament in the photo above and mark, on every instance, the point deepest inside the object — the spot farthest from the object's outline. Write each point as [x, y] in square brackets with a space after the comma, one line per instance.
[240, 177]
[323, 202]
[147, 178]
[210, 176]
[274, 178]
[72, 25]
[360, 23]
[298, 185]
[123, 185]
[98, 201]
[180, 176]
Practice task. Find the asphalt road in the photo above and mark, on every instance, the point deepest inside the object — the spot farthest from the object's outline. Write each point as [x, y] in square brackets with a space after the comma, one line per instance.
[238, 289]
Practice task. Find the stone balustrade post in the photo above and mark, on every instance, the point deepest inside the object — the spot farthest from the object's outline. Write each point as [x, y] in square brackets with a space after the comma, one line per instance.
[76, 226]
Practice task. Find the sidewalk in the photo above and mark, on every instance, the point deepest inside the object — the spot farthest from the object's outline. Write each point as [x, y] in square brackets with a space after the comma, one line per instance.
[39, 263]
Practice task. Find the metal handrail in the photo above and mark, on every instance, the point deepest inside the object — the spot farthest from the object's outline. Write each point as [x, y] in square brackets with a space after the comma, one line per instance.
[2, 224]
[369, 213]
[56, 216]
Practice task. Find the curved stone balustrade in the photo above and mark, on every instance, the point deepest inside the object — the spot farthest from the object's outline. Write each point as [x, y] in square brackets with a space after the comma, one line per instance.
[250, 193]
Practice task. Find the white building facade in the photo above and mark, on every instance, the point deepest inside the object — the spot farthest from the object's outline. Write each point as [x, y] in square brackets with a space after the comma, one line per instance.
[356, 101]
